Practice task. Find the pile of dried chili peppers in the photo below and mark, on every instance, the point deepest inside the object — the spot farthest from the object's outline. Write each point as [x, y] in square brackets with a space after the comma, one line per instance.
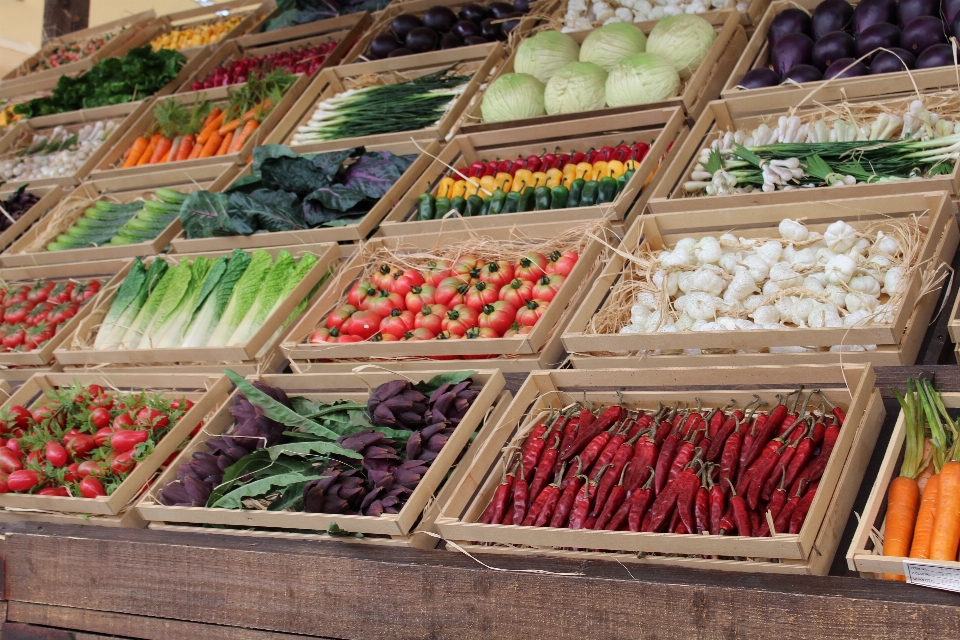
[727, 471]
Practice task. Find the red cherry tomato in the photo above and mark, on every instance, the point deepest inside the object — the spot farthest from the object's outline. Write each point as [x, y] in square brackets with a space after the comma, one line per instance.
[54, 491]
[82, 444]
[123, 463]
[99, 418]
[90, 487]
[23, 480]
[363, 324]
[55, 454]
[122, 421]
[152, 418]
[10, 461]
[126, 440]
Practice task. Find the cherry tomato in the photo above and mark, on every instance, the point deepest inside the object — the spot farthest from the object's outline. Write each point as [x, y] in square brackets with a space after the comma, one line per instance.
[122, 421]
[13, 445]
[498, 316]
[9, 460]
[23, 480]
[430, 318]
[92, 468]
[94, 391]
[72, 473]
[152, 418]
[16, 313]
[90, 487]
[103, 435]
[123, 463]
[55, 454]
[54, 491]
[181, 403]
[459, 319]
[99, 418]
[20, 416]
[531, 312]
[418, 296]
[562, 263]
[34, 457]
[15, 339]
[82, 444]
[531, 267]
[127, 439]
[517, 292]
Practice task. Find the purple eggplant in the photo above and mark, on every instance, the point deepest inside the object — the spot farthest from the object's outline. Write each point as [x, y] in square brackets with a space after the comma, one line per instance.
[891, 61]
[787, 22]
[831, 47]
[871, 12]
[791, 50]
[922, 33]
[839, 69]
[879, 36]
[803, 73]
[830, 16]
[939, 55]
[762, 77]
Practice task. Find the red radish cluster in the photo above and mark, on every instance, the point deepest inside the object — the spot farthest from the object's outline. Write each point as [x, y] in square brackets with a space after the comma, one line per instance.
[449, 300]
[82, 441]
[306, 60]
[33, 313]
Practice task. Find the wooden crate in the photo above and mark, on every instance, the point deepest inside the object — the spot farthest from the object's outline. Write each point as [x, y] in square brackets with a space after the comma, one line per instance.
[297, 347]
[78, 352]
[954, 326]
[104, 270]
[657, 127]
[749, 111]
[330, 82]
[695, 93]
[345, 31]
[327, 387]
[206, 391]
[425, 150]
[110, 164]
[864, 554]
[748, 18]
[49, 197]
[757, 54]
[16, 376]
[127, 518]
[124, 190]
[418, 8]
[258, 36]
[122, 114]
[21, 80]
[935, 212]
[809, 551]
[254, 13]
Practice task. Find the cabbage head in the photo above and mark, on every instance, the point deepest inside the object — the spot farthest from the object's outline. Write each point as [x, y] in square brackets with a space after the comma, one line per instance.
[684, 40]
[641, 79]
[512, 96]
[545, 53]
[611, 43]
[579, 86]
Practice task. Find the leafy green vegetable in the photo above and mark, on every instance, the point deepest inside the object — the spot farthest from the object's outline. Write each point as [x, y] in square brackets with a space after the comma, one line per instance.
[306, 448]
[133, 335]
[244, 293]
[180, 277]
[208, 215]
[233, 500]
[172, 333]
[128, 295]
[270, 292]
[205, 319]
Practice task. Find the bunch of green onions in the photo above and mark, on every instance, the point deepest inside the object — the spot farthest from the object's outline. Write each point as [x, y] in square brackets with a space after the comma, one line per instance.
[405, 106]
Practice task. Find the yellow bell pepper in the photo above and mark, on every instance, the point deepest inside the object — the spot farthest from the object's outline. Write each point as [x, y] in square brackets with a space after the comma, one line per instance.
[554, 178]
[569, 174]
[471, 188]
[599, 170]
[459, 188]
[584, 170]
[443, 189]
[488, 185]
[631, 164]
[539, 179]
[522, 179]
[503, 181]
[615, 168]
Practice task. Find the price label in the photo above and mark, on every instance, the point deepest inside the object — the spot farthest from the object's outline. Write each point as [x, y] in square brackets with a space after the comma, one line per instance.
[935, 576]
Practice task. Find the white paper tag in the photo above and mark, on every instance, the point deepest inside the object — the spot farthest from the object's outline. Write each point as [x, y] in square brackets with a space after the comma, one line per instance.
[935, 576]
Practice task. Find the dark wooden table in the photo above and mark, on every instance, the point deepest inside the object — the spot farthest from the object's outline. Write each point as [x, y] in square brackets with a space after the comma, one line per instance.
[86, 583]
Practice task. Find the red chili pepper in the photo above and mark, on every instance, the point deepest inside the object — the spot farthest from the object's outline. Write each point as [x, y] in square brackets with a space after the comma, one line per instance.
[715, 420]
[764, 469]
[639, 501]
[837, 411]
[716, 444]
[730, 458]
[586, 435]
[563, 159]
[740, 516]
[782, 522]
[576, 469]
[800, 513]
[532, 450]
[576, 157]
[664, 460]
[549, 505]
[492, 167]
[679, 417]
[610, 449]
[544, 467]
[815, 468]
[717, 504]
[666, 426]
[770, 426]
[674, 522]
[562, 514]
[521, 494]
[800, 458]
[611, 503]
[701, 509]
[501, 495]
[692, 420]
[665, 502]
[581, 506]
[684, 455]
[571, 427]
[686, 498]
[777, 501]
[786, 459]
[533, 163]
[476, 170]
[641, 465]
[621, 458]
[506, 166]
[726, 524]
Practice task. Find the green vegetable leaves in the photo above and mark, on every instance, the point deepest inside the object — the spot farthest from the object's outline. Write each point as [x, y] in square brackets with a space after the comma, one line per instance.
[276, 411]
[206, 215]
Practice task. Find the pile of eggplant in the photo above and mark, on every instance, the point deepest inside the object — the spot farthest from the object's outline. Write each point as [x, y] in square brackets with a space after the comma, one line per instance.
[893, 36]
[441, 27]
[16, 204]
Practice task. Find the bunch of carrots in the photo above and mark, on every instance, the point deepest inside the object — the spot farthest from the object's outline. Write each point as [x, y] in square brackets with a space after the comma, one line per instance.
[182, 133]
[923, 503]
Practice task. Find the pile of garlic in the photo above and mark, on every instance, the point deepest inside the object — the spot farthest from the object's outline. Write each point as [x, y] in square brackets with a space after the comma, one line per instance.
[77, 147]
[582, 15]
[841, 278]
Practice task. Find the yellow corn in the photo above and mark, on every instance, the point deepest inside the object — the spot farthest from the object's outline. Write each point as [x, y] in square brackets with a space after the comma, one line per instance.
[503, 181]
[459, 188]
[615, 169]
[599, 170]
[443, 189]
[554, 178]
[522, 179]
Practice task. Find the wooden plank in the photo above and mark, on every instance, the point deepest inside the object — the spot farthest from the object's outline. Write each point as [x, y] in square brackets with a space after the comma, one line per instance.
[16, 631]
[388, 587]
[112, 625]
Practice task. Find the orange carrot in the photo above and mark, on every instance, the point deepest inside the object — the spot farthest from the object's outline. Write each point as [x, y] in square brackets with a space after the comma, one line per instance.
[233, 125]
[903, 500]
[213, 114]
[241, 139]
[147, 154]
[946, 528]
[261, 108]
[923, 532]
[165, 158]
[186, 146]
[174, 150]
[135, 151]
[197, 148]
[227, 139]
[162, 148]
[210, 128]
[211, 145]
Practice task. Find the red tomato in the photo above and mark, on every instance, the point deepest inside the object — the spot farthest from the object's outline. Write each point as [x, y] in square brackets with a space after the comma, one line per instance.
[363, 297]
[71, 474]
[531, 312]
[562, 264]
[14, 445]
[497, 273]
[90, 487]
[103, 435]
[459, 319]
[9, 460]
[92, 468]
[40, 292]
[497, 316]
[408, 280]
[183, 404]
[84, 291]
[451, 291]
[99, 418]
[418, 335]
[396, 324]
[384, 337]
[94, 391]
[480, 294]
[418, 296]
[358, 289]
[430, 318]
[349, 338]
[383, 278]
[362, 324]
[123, 463]
[37, 335]
[468, 267]
[4, 488]
[437, 270]
[82, 444]
[54, 491]
[322, 335]
[152, 418]
[480, 332]
[336, 319]
[61, 313]
[35, 457]
[547, 287]
[386, 302]
[16, 338]
[16, 313]
[23, 480]
[20, 416]
[517, 292]
[37, 315]
[515, 331]
[531, 267]
[55, 454]
[196, 429]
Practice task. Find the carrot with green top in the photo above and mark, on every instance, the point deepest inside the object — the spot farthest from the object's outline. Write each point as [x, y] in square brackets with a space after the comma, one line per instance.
[227, 139]
[246, 132]
[135, 151]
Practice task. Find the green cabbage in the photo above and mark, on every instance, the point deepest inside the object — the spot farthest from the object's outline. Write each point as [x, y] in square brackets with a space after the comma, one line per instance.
[545, 53]
[579, 86]
[611, 43]
[641, 79]
[512, 96]
[684, 40]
